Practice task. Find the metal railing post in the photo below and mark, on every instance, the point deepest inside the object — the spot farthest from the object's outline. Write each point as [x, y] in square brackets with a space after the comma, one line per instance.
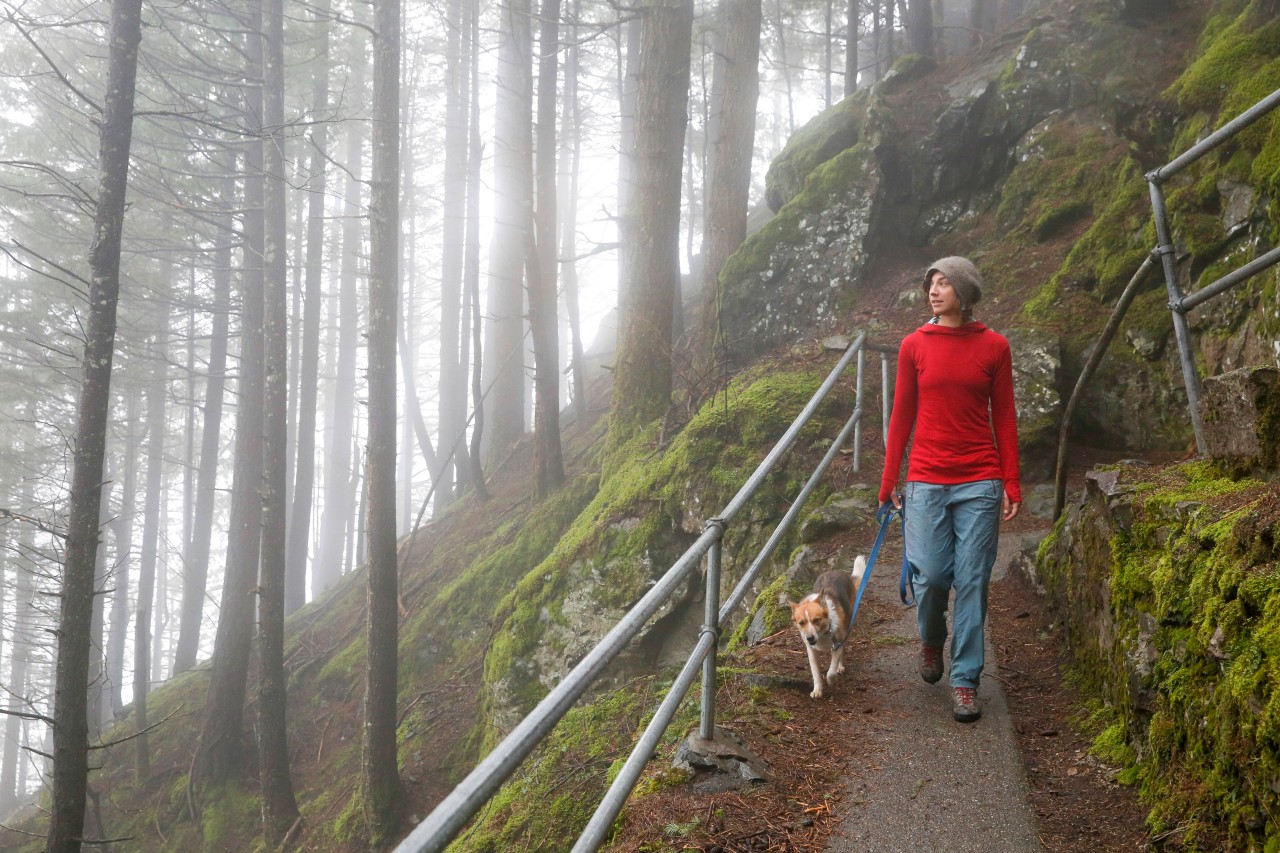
[1086, 375]
[711, 622]
[857, 404]
[1181, 330]
[884, 400]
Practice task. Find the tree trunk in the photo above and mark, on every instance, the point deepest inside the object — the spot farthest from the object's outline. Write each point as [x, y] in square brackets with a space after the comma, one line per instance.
[570, 157]
[512, 153]
[642, 380]
[220, 752]
[471, 261]
[25, 634]
[70, 731]
[780, 31]
[279, 808]
[196, 577]
[628, 82]
[982, 21]
[309, 366]
[338, 500]
[543, 317]
[453, 359]
[920, 26]
[382, 795]
[853, 31]
[122, 534]
[729, 180]
[156, 430]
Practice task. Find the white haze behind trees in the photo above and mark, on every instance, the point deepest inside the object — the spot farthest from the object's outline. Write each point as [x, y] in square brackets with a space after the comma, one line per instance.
[179, 239]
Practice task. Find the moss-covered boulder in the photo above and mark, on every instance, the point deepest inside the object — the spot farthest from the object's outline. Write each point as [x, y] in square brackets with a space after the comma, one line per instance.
[1168, 585]
[645, 515]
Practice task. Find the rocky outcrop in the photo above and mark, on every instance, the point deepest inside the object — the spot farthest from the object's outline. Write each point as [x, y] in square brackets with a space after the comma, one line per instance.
[1041, 137]
[1165, 581]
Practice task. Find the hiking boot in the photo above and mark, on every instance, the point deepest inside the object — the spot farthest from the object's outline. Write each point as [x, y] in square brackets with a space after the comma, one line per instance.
[964, 706]
[930, 663]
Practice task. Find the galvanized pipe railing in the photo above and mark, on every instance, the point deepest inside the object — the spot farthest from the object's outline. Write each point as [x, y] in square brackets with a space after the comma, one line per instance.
[1178, 303]
[1086, 375]
[453, 813]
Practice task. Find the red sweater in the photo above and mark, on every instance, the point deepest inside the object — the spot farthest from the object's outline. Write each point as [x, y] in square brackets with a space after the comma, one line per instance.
[955, 388]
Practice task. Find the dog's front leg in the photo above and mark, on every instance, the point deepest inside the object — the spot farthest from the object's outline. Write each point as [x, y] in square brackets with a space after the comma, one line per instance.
[837, 664]
[815, 670]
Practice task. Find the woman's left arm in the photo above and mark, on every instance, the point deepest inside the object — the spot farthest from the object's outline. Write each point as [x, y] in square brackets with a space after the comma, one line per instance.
[1004, 420]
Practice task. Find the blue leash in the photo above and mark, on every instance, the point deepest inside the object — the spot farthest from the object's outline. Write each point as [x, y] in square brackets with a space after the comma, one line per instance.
[884, 515]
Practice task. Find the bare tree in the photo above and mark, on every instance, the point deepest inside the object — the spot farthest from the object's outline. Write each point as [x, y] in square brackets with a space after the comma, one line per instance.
[70, 727]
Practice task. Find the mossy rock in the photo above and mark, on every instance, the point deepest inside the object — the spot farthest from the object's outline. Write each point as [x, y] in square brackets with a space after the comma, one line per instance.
[823, 137]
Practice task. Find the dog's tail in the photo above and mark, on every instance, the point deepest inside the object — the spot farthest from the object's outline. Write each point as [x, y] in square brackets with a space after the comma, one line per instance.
[859, 569]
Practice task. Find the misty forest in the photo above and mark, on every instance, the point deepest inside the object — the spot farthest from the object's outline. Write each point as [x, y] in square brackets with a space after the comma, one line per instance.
[342, 340]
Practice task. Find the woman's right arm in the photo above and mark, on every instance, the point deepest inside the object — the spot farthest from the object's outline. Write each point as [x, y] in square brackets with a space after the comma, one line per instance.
[901, 422]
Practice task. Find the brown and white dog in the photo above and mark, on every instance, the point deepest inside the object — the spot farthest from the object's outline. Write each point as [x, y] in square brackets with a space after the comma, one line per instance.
[822, 618]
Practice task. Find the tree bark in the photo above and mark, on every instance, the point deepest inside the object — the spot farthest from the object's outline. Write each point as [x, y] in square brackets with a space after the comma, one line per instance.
[471, 262]
[543, 317]
[729, 181]
[122, 534]
[981, 21]
[22, 639]
[309, 366]
[156, 430]
[920, 26]
[339, 503]
[220, 753]
[279, 807]
[512, 164]
[853, 31]
[195, 579]
[382, 795]
[642, 379]
[453, 359]
[570, 157]
[70, 730]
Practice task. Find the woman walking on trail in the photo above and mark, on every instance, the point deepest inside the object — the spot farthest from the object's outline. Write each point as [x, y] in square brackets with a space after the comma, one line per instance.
[955, 392]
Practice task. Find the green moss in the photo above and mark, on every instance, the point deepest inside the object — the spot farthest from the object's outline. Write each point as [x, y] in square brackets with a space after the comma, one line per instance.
[824, 137]
[225, 812]
[633, 529]
[545, 806]
[1187, 581]
[1232, 51]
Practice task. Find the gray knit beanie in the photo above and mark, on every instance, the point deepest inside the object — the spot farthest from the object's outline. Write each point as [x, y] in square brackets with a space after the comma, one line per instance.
[964, 277]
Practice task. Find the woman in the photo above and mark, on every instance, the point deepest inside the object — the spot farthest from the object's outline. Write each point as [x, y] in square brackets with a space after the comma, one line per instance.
[955, 391]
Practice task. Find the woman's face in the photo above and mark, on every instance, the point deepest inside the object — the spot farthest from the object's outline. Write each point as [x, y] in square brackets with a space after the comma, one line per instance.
[943, 300]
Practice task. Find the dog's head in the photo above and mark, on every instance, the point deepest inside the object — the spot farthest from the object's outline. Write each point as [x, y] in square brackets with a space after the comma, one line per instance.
[811, 620]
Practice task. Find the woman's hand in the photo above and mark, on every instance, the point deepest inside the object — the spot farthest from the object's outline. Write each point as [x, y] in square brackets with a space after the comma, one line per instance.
[1010, 508]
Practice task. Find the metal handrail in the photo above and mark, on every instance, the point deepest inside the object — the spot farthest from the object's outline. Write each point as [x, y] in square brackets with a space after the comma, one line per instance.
[462, 803]
[1179, 304]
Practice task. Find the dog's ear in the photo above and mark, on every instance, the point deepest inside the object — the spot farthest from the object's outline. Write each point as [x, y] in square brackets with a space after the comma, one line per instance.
[785, 601]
